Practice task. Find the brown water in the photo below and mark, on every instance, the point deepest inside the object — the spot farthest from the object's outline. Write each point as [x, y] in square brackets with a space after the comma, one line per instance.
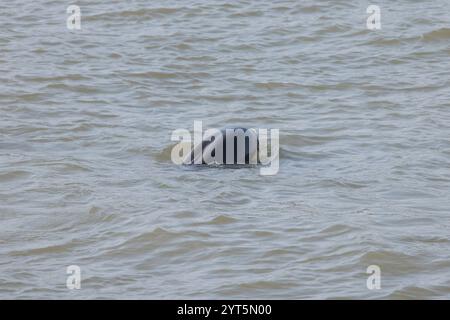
[85, 171]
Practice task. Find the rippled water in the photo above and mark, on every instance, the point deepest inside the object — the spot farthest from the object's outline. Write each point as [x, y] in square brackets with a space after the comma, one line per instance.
[85, 171]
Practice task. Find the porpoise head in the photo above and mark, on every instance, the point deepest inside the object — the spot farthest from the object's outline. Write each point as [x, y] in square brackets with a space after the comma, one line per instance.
[229, 146]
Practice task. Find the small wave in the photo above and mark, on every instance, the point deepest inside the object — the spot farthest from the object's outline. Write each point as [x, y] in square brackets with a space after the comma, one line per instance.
[394, 262]
[311, 9]
[383, 41]
[341, 183]
[136, 14]
[221, 219]
[45, 250]
[336, 229]
[52, 79]
[140, 12]
[275, 85]
[304, 140]
[247, 14]
[413, 292]
[332, 29]
[439, 34]
[14, 175]
[153, 74]
[266, 285]
[74, 88]
[30, 97]
[152, 238]
[275, 253]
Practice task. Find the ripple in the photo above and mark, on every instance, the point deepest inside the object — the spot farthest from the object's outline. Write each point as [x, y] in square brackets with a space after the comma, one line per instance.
[413, 293]
[142, 13]
[45, 250]
[14, 175]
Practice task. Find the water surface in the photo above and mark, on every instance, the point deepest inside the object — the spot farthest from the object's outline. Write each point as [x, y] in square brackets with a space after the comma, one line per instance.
[85, 171]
